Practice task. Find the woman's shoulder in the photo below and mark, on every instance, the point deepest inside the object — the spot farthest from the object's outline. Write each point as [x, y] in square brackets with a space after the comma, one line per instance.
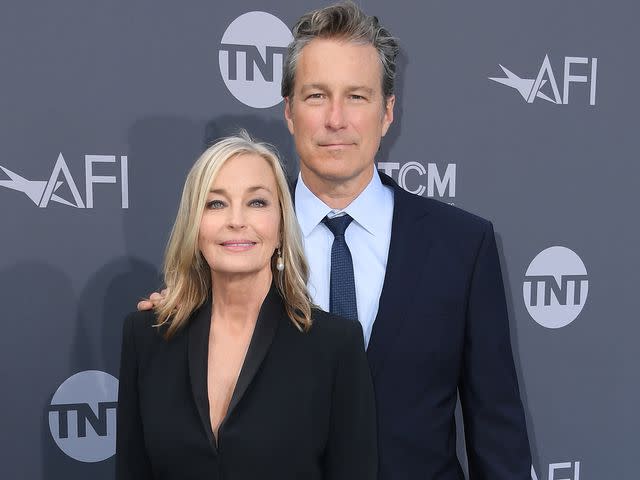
[143, 327]
[140, 321]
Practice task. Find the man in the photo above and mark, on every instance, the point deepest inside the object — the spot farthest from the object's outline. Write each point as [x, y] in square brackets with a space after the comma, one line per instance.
[422, 277]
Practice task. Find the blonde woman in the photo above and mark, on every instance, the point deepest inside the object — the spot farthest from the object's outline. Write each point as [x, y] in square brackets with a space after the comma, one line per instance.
[234, 374]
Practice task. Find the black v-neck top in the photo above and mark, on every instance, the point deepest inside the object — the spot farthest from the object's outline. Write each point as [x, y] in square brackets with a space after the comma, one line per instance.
[302, 408]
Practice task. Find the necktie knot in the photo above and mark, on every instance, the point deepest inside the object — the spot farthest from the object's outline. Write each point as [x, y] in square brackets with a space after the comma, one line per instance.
[337, 225]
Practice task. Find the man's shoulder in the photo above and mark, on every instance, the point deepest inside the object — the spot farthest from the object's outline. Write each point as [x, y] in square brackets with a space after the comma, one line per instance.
[453, 215]
[446, 215]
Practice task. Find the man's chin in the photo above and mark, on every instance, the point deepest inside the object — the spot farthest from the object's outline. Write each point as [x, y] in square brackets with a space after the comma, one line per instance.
[338, 175]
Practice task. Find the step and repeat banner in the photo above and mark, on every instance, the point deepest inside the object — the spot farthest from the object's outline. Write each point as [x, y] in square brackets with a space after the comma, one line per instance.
[523, 113]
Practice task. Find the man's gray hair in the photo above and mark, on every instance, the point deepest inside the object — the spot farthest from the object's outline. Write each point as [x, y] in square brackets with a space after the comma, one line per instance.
[343, 21]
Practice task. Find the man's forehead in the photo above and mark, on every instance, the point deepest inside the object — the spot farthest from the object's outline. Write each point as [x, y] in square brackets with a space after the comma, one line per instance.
[328, 63]
[338, 47]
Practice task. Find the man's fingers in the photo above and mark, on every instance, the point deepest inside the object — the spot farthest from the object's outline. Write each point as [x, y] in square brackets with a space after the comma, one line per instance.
[152, 301]
[155, 297]
[144, 305]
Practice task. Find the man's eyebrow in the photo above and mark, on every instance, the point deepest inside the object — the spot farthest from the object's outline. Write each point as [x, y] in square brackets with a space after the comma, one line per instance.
[222, 191]
[350, 88]
[314, 86]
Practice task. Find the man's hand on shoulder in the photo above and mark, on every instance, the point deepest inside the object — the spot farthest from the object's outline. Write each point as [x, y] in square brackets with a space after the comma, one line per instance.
[152, 301]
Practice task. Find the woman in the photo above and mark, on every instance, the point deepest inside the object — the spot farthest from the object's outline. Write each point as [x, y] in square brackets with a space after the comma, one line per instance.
[234, 375]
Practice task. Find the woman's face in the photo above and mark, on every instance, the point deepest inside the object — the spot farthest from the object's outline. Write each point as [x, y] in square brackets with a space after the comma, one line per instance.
[239, 229]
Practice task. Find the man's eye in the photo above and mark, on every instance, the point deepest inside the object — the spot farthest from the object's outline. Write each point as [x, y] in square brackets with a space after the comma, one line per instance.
[315, 96]
[215, 204]
[258, 202]
[357, 97]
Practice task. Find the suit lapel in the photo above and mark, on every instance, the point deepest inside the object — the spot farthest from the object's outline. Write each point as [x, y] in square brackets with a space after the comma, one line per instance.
[198, 345]
[407, 255]
[270, 313]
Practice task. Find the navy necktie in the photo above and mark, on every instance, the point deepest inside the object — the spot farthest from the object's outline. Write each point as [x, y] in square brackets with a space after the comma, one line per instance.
[342, 296]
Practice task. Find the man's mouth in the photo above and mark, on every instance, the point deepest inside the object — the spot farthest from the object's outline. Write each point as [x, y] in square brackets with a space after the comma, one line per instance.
[336, 145]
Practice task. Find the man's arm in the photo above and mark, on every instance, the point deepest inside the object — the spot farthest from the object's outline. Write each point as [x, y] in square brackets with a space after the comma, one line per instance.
[495, 428]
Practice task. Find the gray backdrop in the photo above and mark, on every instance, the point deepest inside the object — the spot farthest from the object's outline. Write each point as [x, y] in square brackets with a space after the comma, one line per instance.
[105, 105]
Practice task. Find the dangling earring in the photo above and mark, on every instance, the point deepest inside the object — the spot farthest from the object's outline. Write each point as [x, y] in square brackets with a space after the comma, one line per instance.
[279, 261]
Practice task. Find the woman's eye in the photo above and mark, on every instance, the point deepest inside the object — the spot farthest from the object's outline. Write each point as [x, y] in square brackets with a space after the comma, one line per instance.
[214, 204]
[258, 202]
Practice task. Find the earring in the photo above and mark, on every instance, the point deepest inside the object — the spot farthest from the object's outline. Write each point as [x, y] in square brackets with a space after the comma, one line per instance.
[279, 261]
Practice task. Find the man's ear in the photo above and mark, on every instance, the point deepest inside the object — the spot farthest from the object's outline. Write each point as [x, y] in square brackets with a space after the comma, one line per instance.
[288, 114]
[387, 117]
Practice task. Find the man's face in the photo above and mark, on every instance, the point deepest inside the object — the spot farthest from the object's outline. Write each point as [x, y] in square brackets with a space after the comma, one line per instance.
[336, 113]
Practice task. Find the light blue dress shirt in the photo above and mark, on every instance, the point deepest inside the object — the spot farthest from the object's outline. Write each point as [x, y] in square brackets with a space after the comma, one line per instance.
[368, 237]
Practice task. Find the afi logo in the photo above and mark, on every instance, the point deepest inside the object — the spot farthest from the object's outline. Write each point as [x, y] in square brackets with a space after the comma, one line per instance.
[560, 471]
[251, 58]
[555, 287]
[532, 88]
[41, 192]
[427, 179]
[82, 416]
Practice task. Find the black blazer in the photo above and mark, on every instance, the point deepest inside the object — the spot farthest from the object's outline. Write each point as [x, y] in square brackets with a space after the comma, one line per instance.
[442, 327]
[303, 406]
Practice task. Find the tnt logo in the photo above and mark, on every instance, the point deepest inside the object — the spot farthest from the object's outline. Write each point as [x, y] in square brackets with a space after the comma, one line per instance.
[560, 471]
[423, 179]
[82, 416]
[43, 192]
[251, 57]
[530, 89]
[555, 287]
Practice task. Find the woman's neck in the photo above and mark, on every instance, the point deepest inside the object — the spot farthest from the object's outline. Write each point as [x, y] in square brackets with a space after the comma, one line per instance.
[237, 298]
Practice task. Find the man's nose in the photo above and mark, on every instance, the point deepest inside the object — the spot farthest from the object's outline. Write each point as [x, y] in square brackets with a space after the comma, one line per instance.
[336, 116]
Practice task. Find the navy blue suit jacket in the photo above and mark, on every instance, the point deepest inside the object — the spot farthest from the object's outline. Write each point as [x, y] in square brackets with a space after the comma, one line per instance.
[442, 327]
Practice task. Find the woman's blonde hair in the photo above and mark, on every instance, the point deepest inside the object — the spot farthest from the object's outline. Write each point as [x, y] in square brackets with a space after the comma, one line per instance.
[186, 273]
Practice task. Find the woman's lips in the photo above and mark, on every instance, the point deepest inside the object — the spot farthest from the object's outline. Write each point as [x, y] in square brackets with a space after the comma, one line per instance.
[238, 245]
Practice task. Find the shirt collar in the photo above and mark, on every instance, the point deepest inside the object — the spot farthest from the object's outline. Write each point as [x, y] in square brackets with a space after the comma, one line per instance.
[363, 209]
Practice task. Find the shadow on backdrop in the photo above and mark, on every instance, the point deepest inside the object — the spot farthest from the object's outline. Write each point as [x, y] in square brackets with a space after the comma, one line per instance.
[269, 130]
[41, 297]
[513, 326]
[391, 138]
[103, 303]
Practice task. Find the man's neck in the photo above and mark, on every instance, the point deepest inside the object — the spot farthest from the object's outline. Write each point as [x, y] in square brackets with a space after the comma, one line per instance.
[336, 194]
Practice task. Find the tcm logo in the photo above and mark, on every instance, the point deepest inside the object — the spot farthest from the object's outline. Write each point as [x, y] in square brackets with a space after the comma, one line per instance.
[416, 178]
[544, 86]
[555, 287]
[82, 416]
[251, 57]
[42, 192]
[560, 471]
